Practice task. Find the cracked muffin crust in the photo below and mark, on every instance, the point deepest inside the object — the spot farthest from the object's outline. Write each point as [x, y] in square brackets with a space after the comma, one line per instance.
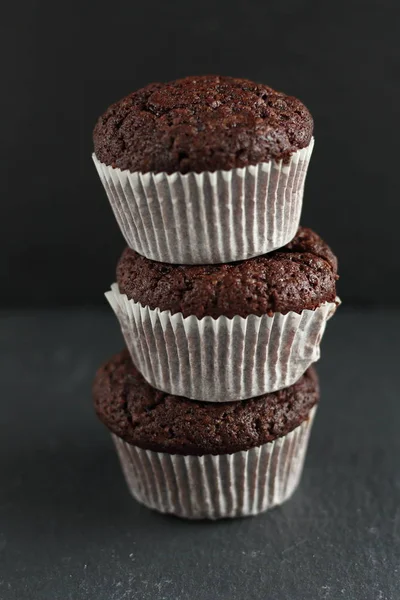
[150, 419]
[301, 275]
[200, 124]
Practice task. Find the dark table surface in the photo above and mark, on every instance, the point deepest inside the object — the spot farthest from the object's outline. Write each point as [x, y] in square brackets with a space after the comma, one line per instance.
[69, 529]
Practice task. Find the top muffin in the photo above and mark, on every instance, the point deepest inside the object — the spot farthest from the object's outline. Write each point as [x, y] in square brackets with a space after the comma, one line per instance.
[201, 124]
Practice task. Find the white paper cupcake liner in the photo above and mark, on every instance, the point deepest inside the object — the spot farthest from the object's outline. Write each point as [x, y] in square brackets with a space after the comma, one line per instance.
[215, 487]
[208, 217]
[219, 360]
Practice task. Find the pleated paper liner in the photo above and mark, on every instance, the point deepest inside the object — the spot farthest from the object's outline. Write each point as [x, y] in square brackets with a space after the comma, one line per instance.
[220, 360]
[208, 217]
[214, 487]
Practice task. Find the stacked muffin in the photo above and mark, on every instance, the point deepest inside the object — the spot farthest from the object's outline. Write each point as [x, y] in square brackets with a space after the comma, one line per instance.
[222, 299]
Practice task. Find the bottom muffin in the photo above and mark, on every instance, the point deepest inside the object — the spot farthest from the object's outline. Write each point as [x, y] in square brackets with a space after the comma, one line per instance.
[202, 459]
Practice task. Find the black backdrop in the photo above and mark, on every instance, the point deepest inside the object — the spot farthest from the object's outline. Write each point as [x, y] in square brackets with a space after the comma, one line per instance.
[65, 62]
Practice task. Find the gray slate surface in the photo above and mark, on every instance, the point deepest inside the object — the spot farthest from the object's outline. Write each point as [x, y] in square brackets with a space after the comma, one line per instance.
[69, 529]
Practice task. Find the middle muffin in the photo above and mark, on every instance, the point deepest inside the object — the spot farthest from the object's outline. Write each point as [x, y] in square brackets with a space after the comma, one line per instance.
[231, 331]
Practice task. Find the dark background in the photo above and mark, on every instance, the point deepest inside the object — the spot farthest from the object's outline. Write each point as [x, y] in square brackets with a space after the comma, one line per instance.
[66, 62]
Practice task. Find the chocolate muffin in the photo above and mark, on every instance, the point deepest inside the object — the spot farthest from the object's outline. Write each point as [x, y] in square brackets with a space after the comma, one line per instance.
[301, 275]
[155, 420]
[205, 170]
[199, 460]
[203, 123]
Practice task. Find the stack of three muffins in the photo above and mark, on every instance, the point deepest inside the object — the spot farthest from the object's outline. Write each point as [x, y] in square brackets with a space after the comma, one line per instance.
[222, 300]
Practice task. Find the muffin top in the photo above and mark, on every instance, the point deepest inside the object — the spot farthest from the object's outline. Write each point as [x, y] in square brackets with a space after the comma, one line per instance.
[201, 124]
[154, 420]
[301, 275]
